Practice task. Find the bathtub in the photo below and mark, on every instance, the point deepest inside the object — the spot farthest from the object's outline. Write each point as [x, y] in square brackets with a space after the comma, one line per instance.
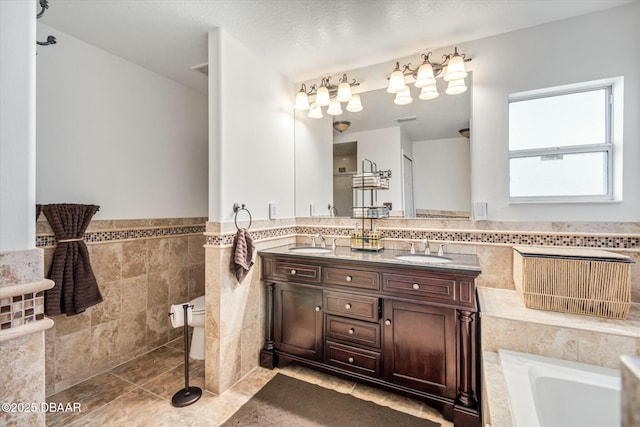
[546, 392]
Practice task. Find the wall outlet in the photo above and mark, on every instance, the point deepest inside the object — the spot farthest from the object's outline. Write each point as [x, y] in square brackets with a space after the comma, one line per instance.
[480, 211]
[272, 211]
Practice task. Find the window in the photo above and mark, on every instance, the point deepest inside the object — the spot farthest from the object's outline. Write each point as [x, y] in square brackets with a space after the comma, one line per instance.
[560, 145]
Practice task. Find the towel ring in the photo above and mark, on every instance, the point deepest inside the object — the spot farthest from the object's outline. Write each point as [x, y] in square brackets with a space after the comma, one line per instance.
[237, 208]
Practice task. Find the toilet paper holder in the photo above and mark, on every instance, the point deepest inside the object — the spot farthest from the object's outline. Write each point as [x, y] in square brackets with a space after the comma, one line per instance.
[187, 395]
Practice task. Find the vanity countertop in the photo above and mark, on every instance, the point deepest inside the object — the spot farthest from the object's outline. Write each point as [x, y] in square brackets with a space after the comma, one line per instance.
[459, 262]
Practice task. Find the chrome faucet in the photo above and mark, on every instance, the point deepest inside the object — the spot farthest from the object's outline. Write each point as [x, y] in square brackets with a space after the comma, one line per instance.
[413, 247]
[427, 251]
[324, 242]
[441, 250]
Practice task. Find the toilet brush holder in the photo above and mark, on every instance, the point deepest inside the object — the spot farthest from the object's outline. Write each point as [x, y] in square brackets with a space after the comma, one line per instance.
[187, 395]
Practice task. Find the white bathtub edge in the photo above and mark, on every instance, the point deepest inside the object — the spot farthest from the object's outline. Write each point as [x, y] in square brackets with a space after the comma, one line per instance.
[497, 397]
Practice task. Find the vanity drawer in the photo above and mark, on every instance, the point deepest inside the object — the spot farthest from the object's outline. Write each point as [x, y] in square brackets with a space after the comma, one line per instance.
[431, 287]
[353, 331]
[353, 359]
[295, 271]
[350, 305]
[351, 277]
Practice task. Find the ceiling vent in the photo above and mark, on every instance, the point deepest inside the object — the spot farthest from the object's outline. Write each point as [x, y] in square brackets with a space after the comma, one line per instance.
[406, 119]
[203, 68]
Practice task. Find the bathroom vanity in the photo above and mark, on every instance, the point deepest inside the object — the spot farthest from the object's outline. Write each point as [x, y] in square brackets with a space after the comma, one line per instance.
[408, 327]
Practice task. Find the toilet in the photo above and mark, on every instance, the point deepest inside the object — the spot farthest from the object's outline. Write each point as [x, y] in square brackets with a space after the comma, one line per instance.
[197, 322]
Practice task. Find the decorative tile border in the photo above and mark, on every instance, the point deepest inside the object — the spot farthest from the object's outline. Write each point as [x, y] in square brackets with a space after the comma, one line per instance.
[117, 235]
[510, 238]
[21, 310]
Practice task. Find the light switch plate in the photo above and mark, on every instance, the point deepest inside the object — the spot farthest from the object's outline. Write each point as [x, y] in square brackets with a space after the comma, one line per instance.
[480, 211]
[272, 211]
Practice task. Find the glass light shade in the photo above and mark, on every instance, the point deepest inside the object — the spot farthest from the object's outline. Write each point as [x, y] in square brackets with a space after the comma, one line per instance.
[403, 97]
[456, 87]
[315, 112]
[355, 105]
[335, 109]
[322, 96]
[344, 92]
[455, 68]
[425, 76]
[302, 101]
[429, 92]
[396, 82]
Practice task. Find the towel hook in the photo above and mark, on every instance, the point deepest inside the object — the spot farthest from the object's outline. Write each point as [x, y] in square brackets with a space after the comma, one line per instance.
[237, 208]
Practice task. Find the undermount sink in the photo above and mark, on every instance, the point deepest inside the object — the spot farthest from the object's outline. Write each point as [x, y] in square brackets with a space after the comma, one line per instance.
[424, 259]
[310, 250]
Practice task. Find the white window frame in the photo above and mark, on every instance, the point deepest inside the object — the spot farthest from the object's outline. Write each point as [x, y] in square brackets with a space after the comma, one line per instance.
[607, 147]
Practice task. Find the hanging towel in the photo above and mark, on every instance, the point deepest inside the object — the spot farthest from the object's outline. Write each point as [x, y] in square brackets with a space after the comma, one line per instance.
[242, 256]
[75, 287]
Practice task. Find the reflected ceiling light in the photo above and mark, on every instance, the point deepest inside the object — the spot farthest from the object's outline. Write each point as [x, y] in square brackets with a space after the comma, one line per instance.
[315, 112]
[354, 105]
[425, 77]
[456, 87]
[323, 97]
[403, 97]
[341, 125]
[335, 109]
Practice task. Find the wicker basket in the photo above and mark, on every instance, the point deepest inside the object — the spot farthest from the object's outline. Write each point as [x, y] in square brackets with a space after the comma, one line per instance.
[579, 281]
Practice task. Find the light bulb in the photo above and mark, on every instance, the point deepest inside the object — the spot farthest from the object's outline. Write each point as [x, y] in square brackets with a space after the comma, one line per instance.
[355, 105]
[396, 80]
[429, 92]
[335, 109]
[322, 96]
[456, 87]
[455, 68]
[425, 76]
[344, 92]
[315, 112]
[302, 101]
[403, 97]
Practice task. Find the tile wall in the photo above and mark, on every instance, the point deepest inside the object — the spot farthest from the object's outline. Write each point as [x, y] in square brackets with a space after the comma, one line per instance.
[235, 312]
[142, 266]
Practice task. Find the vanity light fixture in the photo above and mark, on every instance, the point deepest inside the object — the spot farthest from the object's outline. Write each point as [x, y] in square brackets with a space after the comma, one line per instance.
[424, 78]
[329, 95]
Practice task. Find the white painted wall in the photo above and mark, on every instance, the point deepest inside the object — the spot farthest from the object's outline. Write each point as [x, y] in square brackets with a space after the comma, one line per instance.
[559, 53]
[314, 164]
[251, 138]
[549, 55]
[381, 146]
[112, 133]
[442, 173]
[17, 124]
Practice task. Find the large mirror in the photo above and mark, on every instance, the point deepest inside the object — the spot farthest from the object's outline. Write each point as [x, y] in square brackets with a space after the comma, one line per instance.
[419, 142]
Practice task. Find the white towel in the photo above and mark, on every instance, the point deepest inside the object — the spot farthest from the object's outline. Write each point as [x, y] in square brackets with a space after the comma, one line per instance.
[177, 315]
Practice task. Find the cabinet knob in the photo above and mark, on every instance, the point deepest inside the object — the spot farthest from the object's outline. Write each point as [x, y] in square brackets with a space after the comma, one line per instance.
[352, 331]
[416, 286]
[350, 360]
[317, 308]
[347, 306]
[349, 278]
[293, 271]
[387, 322]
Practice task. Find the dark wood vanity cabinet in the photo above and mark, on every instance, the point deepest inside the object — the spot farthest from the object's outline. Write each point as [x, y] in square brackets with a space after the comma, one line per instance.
[404, 328]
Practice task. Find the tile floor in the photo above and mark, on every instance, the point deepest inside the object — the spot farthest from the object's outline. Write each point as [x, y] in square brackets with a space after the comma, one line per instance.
[138, 393]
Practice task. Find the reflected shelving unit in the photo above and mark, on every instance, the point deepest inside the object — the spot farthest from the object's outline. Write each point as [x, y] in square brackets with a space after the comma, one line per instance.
[365, 237]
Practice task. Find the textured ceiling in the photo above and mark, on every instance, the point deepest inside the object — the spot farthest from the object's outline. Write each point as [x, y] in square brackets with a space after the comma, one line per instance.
[303, 39]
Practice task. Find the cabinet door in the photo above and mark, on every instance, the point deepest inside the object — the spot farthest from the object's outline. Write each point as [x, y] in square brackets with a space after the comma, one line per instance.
[420, 347]
[298, 320]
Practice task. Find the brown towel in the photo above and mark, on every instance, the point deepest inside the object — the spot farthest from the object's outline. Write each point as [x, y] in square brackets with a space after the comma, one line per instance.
[75, 287]
[243, 249]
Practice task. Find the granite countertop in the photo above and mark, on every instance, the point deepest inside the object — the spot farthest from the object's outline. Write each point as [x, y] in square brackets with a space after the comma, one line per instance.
[459, 262]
